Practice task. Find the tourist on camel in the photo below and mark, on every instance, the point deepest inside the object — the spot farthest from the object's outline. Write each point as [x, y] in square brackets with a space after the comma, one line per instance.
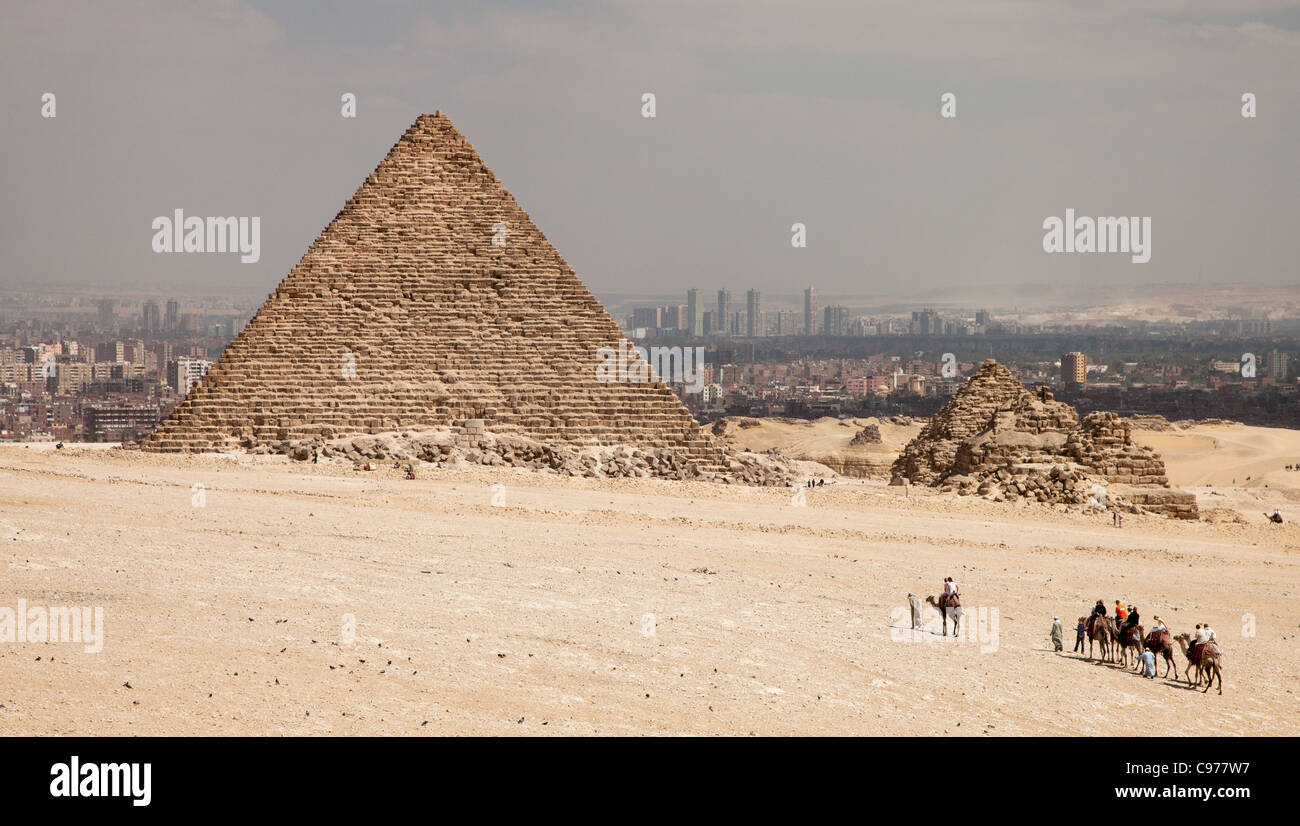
[1132, 617]
[1098, 610]
[1198, 639]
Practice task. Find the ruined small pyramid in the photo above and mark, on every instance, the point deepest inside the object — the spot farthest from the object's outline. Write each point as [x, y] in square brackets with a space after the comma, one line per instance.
[431, 299]
[998, 439]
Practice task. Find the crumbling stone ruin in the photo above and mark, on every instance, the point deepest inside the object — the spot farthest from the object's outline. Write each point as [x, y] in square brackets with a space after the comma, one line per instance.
[471, 444]
[868, 435]
[998, 440]
[429, 301]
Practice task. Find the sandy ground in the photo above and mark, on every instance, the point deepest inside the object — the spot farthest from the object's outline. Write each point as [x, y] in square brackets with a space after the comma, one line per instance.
[1229, 456]
[610, 607]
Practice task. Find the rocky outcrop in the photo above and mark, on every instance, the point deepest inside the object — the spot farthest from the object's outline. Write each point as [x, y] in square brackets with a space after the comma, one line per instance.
[868, 435]
[997, 439]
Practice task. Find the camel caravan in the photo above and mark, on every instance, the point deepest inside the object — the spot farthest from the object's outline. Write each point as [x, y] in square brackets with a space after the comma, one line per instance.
[1121, 637]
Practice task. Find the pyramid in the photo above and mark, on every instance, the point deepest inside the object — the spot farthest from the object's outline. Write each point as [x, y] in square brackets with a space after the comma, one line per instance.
[998, 439]
[430, 300]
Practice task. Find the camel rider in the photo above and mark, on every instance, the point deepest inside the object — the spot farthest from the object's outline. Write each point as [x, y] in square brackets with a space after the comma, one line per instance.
[1198, 639]
[1158, 629]
[1098, 610]
[1210, 636]
[1132, 618]
[1121, 613]
[949, 590]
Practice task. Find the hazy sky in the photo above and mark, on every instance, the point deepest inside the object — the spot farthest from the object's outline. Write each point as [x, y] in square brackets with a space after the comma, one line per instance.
[767, 114]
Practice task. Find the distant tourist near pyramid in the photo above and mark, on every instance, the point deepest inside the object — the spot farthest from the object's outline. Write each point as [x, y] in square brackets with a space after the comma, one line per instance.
[431, 299]
[997, 439]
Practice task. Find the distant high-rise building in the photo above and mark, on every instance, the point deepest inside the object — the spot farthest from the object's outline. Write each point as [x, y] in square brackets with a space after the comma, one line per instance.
[982, 318]
[1275, 365]
[172, 320]
[648, 317]
[836, 321]
[926, 323]
[151, 319]
[673, 317]
[694, 312]
[753, 315]
[810, 312]
[724, 312]
[1074, 369]
[184, 372]
[114, 351]
[189, 323]
[107, 314]
[787, 323]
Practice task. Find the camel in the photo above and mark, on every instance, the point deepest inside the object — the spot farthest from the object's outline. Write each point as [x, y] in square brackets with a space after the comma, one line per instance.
[1160, 648]
[947, 604]
[1207, 663]
[1131, 638]
[1104, 633]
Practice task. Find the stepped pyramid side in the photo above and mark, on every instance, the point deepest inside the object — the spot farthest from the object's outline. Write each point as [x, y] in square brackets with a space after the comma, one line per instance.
[996, 438]
[972, 409]
[403, 313]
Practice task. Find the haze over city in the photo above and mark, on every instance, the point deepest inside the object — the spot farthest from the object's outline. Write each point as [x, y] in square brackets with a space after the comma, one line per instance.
[826, 114]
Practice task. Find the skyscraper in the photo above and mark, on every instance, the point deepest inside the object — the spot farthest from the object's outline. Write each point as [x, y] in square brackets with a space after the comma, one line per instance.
[648, 317]
[173, 318]
[151, 321]
[753, 315]
[1074, 369]
[694, 312]
[107, 314]
[723, 317]
[810, 312]
[1275, 365]
[837, 319]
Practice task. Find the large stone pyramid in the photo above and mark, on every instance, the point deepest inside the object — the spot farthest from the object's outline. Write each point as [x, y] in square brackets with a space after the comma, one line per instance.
[405, 313]
[998, 439]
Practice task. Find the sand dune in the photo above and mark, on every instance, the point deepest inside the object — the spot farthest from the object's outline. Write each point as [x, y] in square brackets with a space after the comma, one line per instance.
[1237, 455]
[601, 606]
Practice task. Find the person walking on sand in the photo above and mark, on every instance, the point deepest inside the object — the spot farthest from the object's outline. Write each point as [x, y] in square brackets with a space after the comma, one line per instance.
[915, 602]
[1079, 631]
[1149, 664]
[1057, 632]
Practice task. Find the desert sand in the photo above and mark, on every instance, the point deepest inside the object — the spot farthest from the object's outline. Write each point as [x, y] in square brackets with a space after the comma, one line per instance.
[583, 606]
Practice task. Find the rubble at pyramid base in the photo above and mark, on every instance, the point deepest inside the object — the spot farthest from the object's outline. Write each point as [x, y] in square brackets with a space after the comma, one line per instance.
[998, 440]
[470, 444]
